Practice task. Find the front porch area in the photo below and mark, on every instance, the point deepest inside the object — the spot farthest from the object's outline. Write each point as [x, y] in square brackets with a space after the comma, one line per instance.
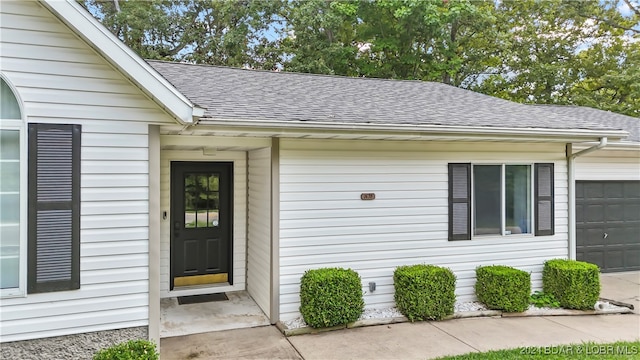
[234, 210]
[238, 312]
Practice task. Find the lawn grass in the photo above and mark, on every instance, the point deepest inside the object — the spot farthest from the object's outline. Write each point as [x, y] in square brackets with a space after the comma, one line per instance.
[589, 350]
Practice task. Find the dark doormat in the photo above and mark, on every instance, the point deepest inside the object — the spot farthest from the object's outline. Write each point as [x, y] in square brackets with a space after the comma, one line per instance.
[196, 299]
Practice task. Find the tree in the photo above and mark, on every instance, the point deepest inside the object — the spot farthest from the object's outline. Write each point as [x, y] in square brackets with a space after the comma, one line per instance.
[610, 79]
[399, 39]
[232, 33]
[154, 29]
[610, 66]
[219, 32]
[562, 52]
[533, 51]
[541, 39]
[425, 40]
[321, 37]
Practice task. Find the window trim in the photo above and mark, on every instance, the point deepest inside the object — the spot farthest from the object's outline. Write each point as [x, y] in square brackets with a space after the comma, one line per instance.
[503, 214]
[457, 182]
[19, 125]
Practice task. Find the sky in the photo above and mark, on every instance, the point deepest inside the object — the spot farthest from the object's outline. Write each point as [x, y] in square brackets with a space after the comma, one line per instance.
[624, 9]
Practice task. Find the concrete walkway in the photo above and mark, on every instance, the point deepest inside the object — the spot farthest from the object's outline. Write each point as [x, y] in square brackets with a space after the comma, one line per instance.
[426, 340]
[420, 340]
[265, 342]
[624, 287]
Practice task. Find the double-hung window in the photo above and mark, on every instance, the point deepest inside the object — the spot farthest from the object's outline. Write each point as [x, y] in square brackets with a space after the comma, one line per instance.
[500, 200]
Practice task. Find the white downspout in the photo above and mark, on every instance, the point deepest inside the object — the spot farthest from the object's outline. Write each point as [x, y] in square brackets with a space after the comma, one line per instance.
[603, 143]
[572, 190]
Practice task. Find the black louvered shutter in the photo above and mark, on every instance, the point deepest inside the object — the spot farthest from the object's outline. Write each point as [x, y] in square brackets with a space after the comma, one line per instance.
[54, 207]
[544, 207]
[459, 201]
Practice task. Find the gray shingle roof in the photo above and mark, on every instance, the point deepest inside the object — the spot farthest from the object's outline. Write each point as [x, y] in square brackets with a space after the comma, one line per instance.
[240, 94]
[611, 119]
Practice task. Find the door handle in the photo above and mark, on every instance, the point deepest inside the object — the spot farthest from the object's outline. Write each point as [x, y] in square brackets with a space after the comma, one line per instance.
[605, 235]
[176, 225]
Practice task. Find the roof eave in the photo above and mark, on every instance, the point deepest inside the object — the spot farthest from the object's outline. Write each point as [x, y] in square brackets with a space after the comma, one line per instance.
[125, 60]
[565, 135]
[618, 145]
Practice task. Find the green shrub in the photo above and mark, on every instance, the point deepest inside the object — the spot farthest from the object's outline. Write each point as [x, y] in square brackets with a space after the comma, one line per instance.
[330, 297]
[130, 350]
[541, 299]
[503, 288]
[424, 292]
[576, 284]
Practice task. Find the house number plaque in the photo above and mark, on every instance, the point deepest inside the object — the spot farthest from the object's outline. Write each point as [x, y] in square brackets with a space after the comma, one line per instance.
[367, 196]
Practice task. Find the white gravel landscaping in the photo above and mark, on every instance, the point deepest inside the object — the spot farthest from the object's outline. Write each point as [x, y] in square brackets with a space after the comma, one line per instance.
[468, 306]
[391, 312]
[459, 307]
[599, 306]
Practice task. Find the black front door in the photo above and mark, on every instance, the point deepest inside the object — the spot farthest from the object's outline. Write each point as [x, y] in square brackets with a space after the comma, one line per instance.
[201, 223]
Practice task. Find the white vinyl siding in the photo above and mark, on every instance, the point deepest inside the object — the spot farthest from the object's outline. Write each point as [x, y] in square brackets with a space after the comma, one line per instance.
[609, 165]
[259, 234]
[324, 223]
[239, 159]
[60, 79]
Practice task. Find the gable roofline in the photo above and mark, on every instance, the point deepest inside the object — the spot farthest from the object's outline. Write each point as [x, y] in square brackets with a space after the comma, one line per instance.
[125, 60]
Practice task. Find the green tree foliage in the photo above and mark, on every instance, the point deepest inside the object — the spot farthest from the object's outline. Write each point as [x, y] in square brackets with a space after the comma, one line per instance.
[154, 29]
[398, 39]
[321, 37]
[424, 40]
[534, 51]
[218, 32]
[567, 52]
[540, 39]
[609, 76]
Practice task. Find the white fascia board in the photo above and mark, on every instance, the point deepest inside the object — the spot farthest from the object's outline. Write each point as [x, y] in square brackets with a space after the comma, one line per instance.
[310, 127]
[620, 145]
[124, 59]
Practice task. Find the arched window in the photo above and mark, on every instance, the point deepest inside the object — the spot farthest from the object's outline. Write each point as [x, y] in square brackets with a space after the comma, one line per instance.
[10, 108]
[11, 192]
